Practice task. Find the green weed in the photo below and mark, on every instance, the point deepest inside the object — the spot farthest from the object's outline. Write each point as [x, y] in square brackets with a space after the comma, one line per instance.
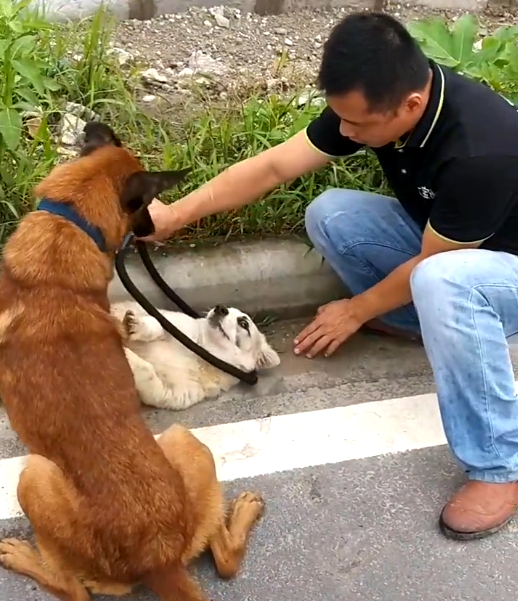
[43, 66]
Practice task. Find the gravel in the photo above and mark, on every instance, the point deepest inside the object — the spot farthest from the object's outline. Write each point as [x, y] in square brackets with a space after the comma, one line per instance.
[228, 44]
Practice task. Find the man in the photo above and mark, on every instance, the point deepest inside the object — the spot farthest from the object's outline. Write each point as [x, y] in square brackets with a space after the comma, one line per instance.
[441, 261]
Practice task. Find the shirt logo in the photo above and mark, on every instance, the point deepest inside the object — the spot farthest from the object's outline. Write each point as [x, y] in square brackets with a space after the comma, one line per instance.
[426, 192]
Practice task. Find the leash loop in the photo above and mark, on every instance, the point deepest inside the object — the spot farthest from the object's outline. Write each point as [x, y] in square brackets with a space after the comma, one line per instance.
[247, 377]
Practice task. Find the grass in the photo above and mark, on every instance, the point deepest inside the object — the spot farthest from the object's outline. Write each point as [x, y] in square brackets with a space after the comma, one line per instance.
[42, 66]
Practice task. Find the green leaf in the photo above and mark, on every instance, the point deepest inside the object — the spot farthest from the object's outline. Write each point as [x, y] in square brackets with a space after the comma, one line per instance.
[51, 84]
[24, 106]
[26, 68]
[24, 45]
[464, 35]
[28, 95]
[435, 39]
[11, 127]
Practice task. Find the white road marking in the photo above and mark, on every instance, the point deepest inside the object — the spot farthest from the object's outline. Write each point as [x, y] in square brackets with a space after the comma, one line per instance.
[287, 442]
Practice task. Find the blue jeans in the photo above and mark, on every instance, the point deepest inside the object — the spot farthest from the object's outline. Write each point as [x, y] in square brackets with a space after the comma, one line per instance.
[465, 306]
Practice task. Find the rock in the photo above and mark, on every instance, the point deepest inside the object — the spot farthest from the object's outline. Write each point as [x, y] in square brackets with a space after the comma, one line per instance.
[33, 124]
[79, 110]
[71, 129]
[311, 97]
[153, 76]
[280, 31]
[201, 62]
[148, 98]
[222, 21]
[186, 72]
[123, 56]
[67, 152]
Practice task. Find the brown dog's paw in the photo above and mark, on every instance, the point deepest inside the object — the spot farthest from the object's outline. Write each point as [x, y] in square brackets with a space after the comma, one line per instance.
[17, 554]
[249, 503]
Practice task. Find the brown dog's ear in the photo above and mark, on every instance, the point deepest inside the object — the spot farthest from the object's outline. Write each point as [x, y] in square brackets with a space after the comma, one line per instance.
[96, 135]
[142, 225]
[141, 187]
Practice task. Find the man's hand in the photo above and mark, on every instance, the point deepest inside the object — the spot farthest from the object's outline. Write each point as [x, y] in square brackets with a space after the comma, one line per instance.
[163, 220]
[332, 326]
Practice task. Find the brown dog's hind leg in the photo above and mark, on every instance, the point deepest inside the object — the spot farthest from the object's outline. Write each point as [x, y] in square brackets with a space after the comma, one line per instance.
[229, 543]
[47, 501]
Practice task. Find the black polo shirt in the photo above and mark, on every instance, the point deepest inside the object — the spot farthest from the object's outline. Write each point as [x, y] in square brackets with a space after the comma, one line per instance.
[458, 169]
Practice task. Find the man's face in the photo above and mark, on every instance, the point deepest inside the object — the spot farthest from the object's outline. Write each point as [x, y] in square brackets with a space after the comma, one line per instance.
[372, 128]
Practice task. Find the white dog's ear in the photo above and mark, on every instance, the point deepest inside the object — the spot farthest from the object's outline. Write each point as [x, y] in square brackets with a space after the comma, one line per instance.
[268, 357]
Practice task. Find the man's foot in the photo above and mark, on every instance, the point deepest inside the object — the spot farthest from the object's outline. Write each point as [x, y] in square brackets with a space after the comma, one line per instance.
[479, 509]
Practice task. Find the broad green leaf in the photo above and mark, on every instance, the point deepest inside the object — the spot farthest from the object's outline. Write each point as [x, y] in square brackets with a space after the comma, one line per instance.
[29, 96]
[10, 127]
[25, 67]
[435, 39]
[16, 26]
[51, 84]
[6, 176]
[6, 8]
[505, 33]
[23, 45]
[464, 35]
[24, 106]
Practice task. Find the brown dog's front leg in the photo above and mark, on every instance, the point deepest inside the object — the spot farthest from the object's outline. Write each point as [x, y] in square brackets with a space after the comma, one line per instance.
[228, 546]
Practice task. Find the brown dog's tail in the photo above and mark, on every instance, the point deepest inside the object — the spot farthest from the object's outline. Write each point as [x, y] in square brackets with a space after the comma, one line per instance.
[173, 583]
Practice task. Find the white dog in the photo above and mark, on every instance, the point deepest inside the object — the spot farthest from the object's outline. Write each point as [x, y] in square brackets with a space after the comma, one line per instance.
[170, 376]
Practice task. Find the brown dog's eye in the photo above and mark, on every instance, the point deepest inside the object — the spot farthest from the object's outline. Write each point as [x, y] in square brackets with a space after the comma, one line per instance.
[242, 322]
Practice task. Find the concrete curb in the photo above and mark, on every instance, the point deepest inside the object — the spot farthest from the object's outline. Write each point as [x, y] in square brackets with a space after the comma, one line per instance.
[277, 277]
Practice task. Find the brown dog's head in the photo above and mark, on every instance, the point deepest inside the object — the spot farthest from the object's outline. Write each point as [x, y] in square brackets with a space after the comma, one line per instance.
[108, 186]
[138, 188]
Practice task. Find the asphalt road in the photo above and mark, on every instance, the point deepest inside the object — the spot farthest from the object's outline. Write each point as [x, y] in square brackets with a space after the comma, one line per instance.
[361, 522]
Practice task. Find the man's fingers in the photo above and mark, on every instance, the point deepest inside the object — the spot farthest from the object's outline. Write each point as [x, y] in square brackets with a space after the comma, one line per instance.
[308, 341]
[307, 331]
[319, 346]
[335, 344]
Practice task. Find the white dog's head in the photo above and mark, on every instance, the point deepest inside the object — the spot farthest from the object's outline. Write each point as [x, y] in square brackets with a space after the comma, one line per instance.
[232, 336]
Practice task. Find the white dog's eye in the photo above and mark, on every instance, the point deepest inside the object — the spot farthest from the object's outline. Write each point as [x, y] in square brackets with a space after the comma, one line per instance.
[242, 322]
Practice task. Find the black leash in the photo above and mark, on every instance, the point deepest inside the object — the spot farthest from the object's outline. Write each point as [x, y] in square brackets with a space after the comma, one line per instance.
[247, 377]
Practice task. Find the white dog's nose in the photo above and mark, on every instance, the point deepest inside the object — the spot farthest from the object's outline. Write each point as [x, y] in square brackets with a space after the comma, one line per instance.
[220, 310]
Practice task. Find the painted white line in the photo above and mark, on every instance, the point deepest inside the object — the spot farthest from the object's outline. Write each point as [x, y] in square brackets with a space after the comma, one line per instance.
[287, 442]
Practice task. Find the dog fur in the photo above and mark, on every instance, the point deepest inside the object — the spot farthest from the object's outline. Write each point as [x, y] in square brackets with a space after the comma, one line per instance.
[111, 506]
[170, 376]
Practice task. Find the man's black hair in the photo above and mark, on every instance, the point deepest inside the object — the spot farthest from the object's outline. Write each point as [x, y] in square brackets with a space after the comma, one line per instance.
[373, 53]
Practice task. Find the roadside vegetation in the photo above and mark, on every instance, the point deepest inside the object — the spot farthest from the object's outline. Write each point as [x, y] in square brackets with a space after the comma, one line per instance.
[44, 67]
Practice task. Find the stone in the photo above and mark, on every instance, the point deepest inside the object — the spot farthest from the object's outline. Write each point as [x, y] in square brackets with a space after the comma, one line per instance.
[71, 129]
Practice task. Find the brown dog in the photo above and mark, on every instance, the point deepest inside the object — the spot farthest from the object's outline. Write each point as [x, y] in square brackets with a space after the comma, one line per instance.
[110, 505]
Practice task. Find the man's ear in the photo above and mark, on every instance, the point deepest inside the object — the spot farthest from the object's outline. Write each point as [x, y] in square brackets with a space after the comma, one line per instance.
[96, 135]
[141, 187]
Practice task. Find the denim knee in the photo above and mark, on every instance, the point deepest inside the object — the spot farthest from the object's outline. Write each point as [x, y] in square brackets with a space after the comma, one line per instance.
[438, 281]
[318, 213]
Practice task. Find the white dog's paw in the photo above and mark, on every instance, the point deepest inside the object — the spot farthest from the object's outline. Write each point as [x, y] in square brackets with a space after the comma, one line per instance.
[131, 324]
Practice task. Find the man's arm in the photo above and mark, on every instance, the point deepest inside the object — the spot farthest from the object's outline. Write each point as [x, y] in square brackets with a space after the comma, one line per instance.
[394, 290]
[472, 202]
[249, 180]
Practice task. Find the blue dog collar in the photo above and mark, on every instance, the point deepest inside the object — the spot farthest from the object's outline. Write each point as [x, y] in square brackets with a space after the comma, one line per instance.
[69, 212]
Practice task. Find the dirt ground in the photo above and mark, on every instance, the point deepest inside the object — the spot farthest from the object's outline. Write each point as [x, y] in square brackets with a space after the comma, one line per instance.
[233, 44]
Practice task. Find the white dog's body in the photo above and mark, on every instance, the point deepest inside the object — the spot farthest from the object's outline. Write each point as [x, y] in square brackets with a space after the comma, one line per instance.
[170, 376]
